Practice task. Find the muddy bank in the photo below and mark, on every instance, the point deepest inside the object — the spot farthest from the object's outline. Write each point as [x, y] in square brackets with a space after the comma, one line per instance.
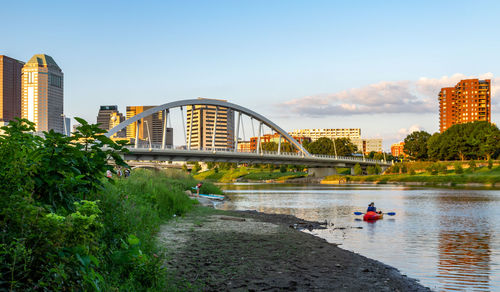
[212, 250]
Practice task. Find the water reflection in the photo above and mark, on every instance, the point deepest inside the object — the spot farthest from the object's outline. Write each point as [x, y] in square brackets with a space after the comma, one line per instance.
[445, 238]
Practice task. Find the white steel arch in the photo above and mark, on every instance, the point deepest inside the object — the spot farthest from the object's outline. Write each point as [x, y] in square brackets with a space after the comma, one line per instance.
[212, 102]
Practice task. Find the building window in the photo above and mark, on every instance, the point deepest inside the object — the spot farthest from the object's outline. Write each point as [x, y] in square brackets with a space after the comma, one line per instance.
[55, 80]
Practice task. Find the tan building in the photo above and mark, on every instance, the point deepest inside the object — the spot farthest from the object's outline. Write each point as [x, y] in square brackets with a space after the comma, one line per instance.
[108, 117]
[368, 145]
[244, 146]
[315, 134]
[10, 88]
[468, 101]
[200, 127]
[43, 94]
[149, 127]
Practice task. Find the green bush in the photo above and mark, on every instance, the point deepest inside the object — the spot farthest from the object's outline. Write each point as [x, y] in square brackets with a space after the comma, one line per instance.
[65, 226]
[458, 168]
[442, 168]
[370, 170]
[357, 169]
[490, 164]
[472, 165]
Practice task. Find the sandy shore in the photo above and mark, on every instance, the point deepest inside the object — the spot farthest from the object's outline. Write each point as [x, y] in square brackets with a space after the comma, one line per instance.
[212, 250]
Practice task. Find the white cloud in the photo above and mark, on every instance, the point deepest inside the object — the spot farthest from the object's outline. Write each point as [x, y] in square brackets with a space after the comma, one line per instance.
[403, 132]
[385, 97]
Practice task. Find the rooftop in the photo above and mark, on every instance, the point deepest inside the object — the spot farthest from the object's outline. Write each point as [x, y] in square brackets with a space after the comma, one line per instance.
[43, 61]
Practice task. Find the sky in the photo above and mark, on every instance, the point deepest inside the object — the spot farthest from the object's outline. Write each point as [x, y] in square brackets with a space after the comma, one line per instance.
[374, 65]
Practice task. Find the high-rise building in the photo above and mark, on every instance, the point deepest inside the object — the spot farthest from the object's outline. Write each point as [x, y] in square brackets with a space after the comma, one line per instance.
[468, 101]
[109, 117]
[315, 134]
[10, 88]
[43, 94]
[200, 127]
[150, 127]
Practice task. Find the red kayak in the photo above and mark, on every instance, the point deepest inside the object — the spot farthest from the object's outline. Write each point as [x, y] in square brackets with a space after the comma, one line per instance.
[372, 216]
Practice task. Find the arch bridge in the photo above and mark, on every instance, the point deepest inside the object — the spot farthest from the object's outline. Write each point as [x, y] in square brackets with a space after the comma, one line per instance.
[162, 152]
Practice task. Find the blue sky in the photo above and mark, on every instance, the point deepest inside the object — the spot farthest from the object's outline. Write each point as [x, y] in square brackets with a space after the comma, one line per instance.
[376, 65]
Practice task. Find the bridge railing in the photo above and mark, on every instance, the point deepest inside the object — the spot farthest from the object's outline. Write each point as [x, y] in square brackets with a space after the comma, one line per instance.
[158, 146]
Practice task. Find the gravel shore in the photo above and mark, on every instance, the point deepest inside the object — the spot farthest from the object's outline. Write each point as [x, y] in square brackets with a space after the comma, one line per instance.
[212, 250]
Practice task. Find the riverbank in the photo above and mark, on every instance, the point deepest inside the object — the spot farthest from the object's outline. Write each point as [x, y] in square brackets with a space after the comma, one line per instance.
[481, 177]
[214, 250]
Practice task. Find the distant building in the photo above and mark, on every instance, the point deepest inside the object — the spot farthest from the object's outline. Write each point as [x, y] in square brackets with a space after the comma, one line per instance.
[67, 126]
[74, 128]
[150, 127]
[315, 134]
[200, 127]
[397, 149]
[368, 145]
[3, 124]
[108, 117]
[43, 93]
[10, 88]
[273, 138]
[468, 101]
[244, 146]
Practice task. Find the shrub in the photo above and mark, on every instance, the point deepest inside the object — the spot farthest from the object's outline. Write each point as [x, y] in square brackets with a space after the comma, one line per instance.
[357, 169]
[283, 168]
[442, 168]
[472, 165]
[404, 168]
[458, 168]
[490, 163]
[370, 170]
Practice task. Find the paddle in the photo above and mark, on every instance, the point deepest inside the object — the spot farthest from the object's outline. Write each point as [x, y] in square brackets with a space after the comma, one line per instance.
[388, 213]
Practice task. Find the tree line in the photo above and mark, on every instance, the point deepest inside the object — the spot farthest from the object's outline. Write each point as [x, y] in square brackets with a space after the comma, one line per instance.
[478, 140]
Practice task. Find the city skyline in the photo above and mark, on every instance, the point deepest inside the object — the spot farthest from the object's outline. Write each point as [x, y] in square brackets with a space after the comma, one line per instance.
[322, 64]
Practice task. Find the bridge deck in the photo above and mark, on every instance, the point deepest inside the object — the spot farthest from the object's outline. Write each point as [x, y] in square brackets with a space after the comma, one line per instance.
[247, 157]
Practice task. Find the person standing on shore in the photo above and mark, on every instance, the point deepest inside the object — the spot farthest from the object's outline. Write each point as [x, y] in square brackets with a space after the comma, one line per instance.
[198, 187]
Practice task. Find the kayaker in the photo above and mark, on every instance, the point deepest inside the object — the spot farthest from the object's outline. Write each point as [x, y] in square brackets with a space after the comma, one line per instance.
[372, 208]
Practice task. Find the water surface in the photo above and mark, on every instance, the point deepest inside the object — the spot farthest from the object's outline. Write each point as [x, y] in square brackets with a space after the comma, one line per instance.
[446, 238]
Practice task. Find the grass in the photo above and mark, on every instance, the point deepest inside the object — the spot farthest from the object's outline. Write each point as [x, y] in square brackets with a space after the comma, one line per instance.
[481, 175]
[138, 206]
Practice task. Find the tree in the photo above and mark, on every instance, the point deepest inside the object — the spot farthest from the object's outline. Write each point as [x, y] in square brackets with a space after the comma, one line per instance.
[416, 145]
[269, 146]
[321, 146]
[370, 170]
[196, 167]
[345, 147]
[286, 147]
[357, 169]
[465, 141]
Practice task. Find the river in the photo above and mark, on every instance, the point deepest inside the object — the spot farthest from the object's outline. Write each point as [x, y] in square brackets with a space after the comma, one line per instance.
[448, 239]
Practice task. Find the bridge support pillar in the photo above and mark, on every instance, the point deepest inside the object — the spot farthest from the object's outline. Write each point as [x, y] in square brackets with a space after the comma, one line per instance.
[321, 171]
[352, 170]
